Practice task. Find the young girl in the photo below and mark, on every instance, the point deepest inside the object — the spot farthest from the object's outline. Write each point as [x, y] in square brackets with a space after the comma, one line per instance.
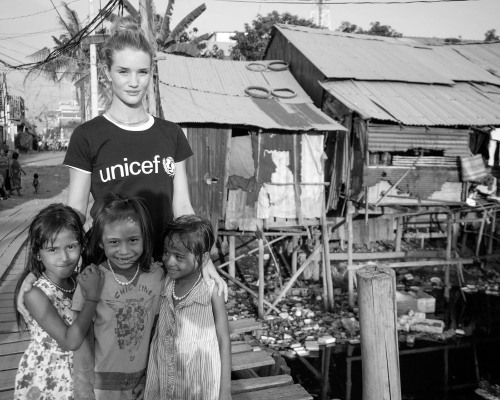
[121, 244]
[56, 238]
[190, 355]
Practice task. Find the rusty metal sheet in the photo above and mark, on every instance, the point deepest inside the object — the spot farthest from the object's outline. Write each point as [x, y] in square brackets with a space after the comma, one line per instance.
[453, 142]
[186, 106]
[364, 57]
[419, 104]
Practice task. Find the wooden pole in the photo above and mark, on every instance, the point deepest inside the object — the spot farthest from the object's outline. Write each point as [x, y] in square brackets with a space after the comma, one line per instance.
[326, 260]
[261, 279]
[493, 226]
[147, 22]
[449, 241]
[379, 337]
[232, 256]
[93, 70]
[350, 239]
[295, 241]
[399, 232]
[296, 275]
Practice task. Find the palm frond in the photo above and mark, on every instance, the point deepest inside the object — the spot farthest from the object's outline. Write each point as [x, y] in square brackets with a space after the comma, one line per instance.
[184, 24]
[197, 40]
[183, 49]
[167, 18]
[130, 8]
[39, 55]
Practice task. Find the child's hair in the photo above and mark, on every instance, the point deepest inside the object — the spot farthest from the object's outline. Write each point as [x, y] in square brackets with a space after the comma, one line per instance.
[117, 207]
[35, 176]
[125, 34]
[44, 228]
[15, 156]
[194, 232]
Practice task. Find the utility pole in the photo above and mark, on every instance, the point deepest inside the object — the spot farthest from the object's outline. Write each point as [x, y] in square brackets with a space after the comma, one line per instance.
[93, 69]
[147, 25]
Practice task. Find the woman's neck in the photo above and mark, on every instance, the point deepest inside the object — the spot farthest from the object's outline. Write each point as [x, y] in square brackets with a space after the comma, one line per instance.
[127, 114]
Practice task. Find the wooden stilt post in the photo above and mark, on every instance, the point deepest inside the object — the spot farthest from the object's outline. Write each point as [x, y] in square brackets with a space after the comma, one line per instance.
[493, 226]
[327, 267]
[449, 241]
[399, 233]
[261, 279]
[232, 256]
[295, 241]
[379, 337]
[350, 238]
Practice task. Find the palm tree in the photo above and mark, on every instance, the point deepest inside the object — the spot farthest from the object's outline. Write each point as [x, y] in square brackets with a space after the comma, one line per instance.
[72, 64]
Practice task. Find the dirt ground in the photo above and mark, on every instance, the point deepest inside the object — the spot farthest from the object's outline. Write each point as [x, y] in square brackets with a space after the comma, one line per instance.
[53, 180]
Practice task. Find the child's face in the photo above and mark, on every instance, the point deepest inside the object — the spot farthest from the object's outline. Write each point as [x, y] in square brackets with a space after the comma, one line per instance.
[179, 262]
[60, 257]
[123, 243]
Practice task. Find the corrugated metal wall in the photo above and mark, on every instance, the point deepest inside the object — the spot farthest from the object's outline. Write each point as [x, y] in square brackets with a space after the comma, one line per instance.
[207, 171]
[453, 142]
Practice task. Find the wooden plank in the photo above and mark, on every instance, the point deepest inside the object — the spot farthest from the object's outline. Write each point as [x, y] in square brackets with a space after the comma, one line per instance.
[13, 337]
[424, 263]
[13, 348]
[7, 379]
[253, 384]
[10, 361]
[388, 255]
[8, 327]
[8, 316]
[244, 325]
[248, 360]
[7, 395]
[290, 392]
[240, 348]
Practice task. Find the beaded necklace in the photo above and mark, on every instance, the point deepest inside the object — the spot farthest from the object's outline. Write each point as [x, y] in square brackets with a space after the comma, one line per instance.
[120, 282]
[59, 287]
[179, 298]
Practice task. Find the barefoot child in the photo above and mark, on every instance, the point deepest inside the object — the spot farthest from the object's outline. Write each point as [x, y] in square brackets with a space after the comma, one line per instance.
[190, 355]
[56, 238]
[121, 245]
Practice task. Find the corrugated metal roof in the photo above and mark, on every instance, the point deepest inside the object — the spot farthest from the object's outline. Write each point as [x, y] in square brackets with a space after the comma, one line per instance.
[487, 55]
[226, 77]
[363, 57]
[199, 90]
[419, 104]
[191, 106]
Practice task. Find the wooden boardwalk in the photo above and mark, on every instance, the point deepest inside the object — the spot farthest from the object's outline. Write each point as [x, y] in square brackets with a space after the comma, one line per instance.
[246, 362]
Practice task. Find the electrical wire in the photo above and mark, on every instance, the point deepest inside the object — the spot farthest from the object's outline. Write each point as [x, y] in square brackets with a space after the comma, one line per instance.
[74, 41]
[37, 13]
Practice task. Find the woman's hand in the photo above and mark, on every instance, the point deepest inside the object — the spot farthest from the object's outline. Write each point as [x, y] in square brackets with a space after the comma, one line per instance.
[209, 272]
[25, 288]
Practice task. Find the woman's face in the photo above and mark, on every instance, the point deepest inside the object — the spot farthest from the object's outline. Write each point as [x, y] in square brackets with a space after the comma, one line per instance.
[130, 74]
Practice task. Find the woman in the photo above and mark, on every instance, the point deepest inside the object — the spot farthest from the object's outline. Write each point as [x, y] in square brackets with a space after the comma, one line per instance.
[15, 174]
[4, 170]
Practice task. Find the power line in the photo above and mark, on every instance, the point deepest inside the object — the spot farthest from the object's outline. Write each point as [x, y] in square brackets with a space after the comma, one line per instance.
[37, 13]
[315, 2]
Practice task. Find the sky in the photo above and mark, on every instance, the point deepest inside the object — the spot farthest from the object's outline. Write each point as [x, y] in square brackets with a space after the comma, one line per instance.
[27, 25]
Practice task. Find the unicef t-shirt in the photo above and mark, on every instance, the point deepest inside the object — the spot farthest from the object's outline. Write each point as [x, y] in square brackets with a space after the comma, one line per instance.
[131, 162]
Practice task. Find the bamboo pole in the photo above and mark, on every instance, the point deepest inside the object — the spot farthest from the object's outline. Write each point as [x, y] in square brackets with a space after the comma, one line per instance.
[296, 275]
[326, 261]
[492, 231]
[379, 337]
[449, 241]
[350, 239]
[247, 289]
[261, 279]
[399, 232]
[232, 256]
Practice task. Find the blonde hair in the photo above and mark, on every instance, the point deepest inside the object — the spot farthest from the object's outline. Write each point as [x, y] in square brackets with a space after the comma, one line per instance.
[126, 34]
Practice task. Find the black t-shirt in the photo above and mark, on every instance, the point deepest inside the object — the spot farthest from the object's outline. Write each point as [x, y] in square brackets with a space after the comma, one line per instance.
[132, 162]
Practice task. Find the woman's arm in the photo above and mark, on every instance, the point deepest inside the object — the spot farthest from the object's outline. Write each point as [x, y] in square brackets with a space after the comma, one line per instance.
[79, 191]
[181, 204]
[222, 328]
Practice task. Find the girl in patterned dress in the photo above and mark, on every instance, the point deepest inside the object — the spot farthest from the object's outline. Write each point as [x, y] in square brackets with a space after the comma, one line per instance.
[56, 238]
[190, 357]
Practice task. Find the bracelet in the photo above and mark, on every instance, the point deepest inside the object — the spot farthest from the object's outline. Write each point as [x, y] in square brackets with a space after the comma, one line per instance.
[92, 300]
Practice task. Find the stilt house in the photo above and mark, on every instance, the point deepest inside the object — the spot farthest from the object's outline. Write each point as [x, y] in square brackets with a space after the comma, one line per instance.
[257, 138]
[405, 106]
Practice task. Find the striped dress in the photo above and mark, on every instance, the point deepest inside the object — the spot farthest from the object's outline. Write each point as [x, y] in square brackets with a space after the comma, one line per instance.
[184, 361]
